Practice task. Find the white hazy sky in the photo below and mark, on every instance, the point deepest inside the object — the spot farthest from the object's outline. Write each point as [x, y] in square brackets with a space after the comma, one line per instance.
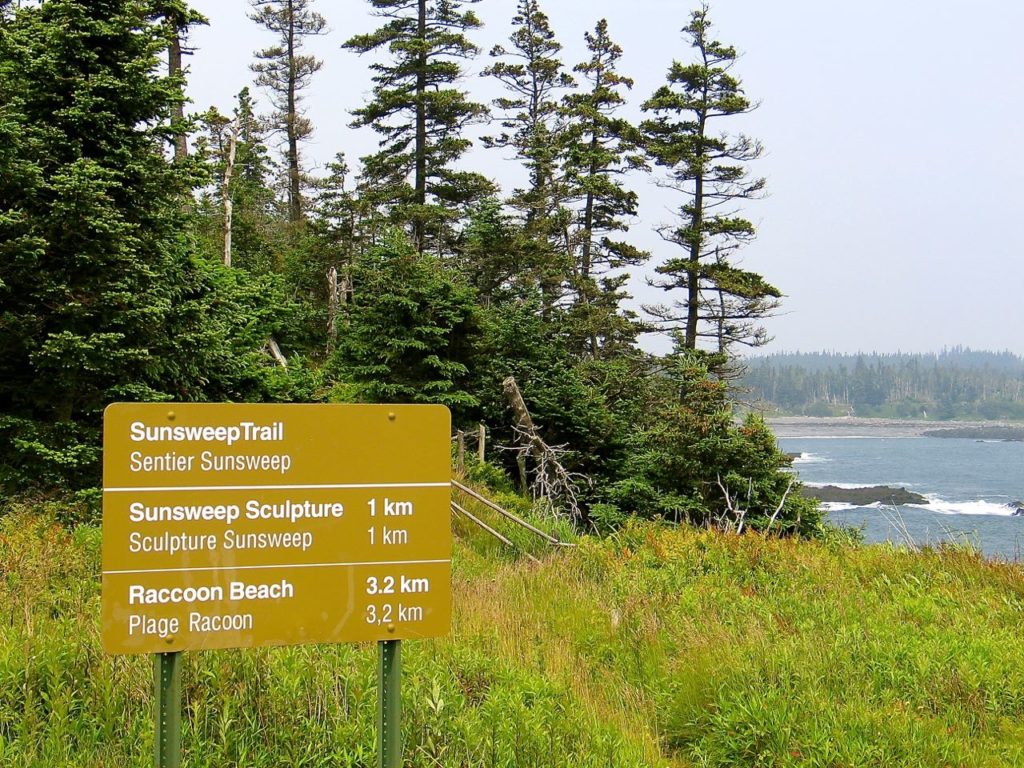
[892, 131]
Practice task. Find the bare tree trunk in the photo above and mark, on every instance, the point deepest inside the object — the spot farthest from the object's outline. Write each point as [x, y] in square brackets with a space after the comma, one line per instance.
[178, 111]
[229, 205]
[275, 352]
[551, 479]
[291, 125]
[524, 425]
[697, 238]
[521, 415]
[421, 125]
[345, 287]
[332, 307]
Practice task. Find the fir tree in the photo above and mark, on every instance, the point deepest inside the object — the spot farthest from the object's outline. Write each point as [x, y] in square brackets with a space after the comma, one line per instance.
[409, 328]
[532, 72]
[720, 301]
[532, 127]
[100, 298]
[498, 255]
[602, 149]
[177, 18]
[420, 115]
[286, 72]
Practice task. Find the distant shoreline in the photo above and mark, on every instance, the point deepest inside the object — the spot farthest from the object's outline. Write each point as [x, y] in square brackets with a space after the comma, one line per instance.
[853, 426]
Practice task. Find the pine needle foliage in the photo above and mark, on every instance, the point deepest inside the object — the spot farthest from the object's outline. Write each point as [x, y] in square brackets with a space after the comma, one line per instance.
[420, 115]
[719, 302]
[101, 297]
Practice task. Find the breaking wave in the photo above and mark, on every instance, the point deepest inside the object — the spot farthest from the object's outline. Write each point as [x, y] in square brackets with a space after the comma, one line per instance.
[976, 507]
[810, 458]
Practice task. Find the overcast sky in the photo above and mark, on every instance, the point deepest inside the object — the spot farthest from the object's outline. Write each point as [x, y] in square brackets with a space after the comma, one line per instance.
[892, 131]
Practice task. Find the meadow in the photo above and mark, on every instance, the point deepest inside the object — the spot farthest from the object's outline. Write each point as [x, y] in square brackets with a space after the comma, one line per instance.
[655, 646]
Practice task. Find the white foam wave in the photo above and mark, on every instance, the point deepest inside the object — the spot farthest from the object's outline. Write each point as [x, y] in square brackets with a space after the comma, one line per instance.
[810, 458]
[837, 506]
[843, 506]
[858, 486]
[844, 486]
[976, 507]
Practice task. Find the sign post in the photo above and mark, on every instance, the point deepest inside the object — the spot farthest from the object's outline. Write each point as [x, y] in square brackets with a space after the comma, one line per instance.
[242, 525]
[389, 704]
[167, 690]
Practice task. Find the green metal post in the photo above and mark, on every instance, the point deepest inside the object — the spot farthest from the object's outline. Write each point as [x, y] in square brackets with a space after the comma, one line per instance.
[389, 704]
[167, 687]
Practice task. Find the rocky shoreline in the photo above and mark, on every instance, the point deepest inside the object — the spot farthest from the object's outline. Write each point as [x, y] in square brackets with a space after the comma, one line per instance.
[852, 426]
[863, 496]
[1002, 432]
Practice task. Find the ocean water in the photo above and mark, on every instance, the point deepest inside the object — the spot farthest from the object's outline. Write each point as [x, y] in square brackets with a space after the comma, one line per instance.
[968, 484]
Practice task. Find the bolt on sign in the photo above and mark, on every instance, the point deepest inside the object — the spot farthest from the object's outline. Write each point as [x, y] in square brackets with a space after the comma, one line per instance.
[243, 525]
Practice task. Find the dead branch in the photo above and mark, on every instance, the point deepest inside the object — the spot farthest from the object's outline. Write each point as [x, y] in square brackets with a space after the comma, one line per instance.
[778, 509]
[500, 537]
[731, 508]
[272, 349]
[332, 307]
[551, 480]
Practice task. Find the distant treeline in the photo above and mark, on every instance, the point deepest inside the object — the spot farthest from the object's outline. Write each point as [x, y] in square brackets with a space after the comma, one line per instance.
[955, 383]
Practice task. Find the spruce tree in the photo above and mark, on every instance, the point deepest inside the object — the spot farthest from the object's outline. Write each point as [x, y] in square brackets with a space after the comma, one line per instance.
[100, 299]
[420, 114]
[177, 18]
[720, 301]
[602, 149]
[409, 329]
[533, 128]
[532, 73]
[286, 72]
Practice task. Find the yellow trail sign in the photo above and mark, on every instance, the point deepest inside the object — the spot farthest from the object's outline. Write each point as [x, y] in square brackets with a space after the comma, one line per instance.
[241, 525]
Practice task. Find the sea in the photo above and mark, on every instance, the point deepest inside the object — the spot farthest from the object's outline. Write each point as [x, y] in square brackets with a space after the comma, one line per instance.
[969, 485]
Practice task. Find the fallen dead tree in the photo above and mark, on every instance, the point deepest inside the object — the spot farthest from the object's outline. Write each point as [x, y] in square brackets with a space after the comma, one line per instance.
[552, 482]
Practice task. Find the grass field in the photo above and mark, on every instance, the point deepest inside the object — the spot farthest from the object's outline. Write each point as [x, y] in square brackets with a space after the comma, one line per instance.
[654, 647]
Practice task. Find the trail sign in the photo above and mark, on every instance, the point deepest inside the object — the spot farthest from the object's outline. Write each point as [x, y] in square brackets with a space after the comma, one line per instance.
[242, 525]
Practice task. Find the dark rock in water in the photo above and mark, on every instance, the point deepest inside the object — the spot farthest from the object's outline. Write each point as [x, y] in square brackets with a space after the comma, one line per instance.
[1017, 507]
[872, 494]
[1003, 432]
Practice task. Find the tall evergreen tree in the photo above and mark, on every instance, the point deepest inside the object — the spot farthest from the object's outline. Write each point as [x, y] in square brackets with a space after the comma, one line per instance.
[409, 328]
[532, 74]
[177, 18]
[286, 72]
[602, 149]
[420, 115]
[99, 298]
[720, 301]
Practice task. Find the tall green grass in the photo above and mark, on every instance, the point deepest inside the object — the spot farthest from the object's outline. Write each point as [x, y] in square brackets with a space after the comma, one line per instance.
[653, 647]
